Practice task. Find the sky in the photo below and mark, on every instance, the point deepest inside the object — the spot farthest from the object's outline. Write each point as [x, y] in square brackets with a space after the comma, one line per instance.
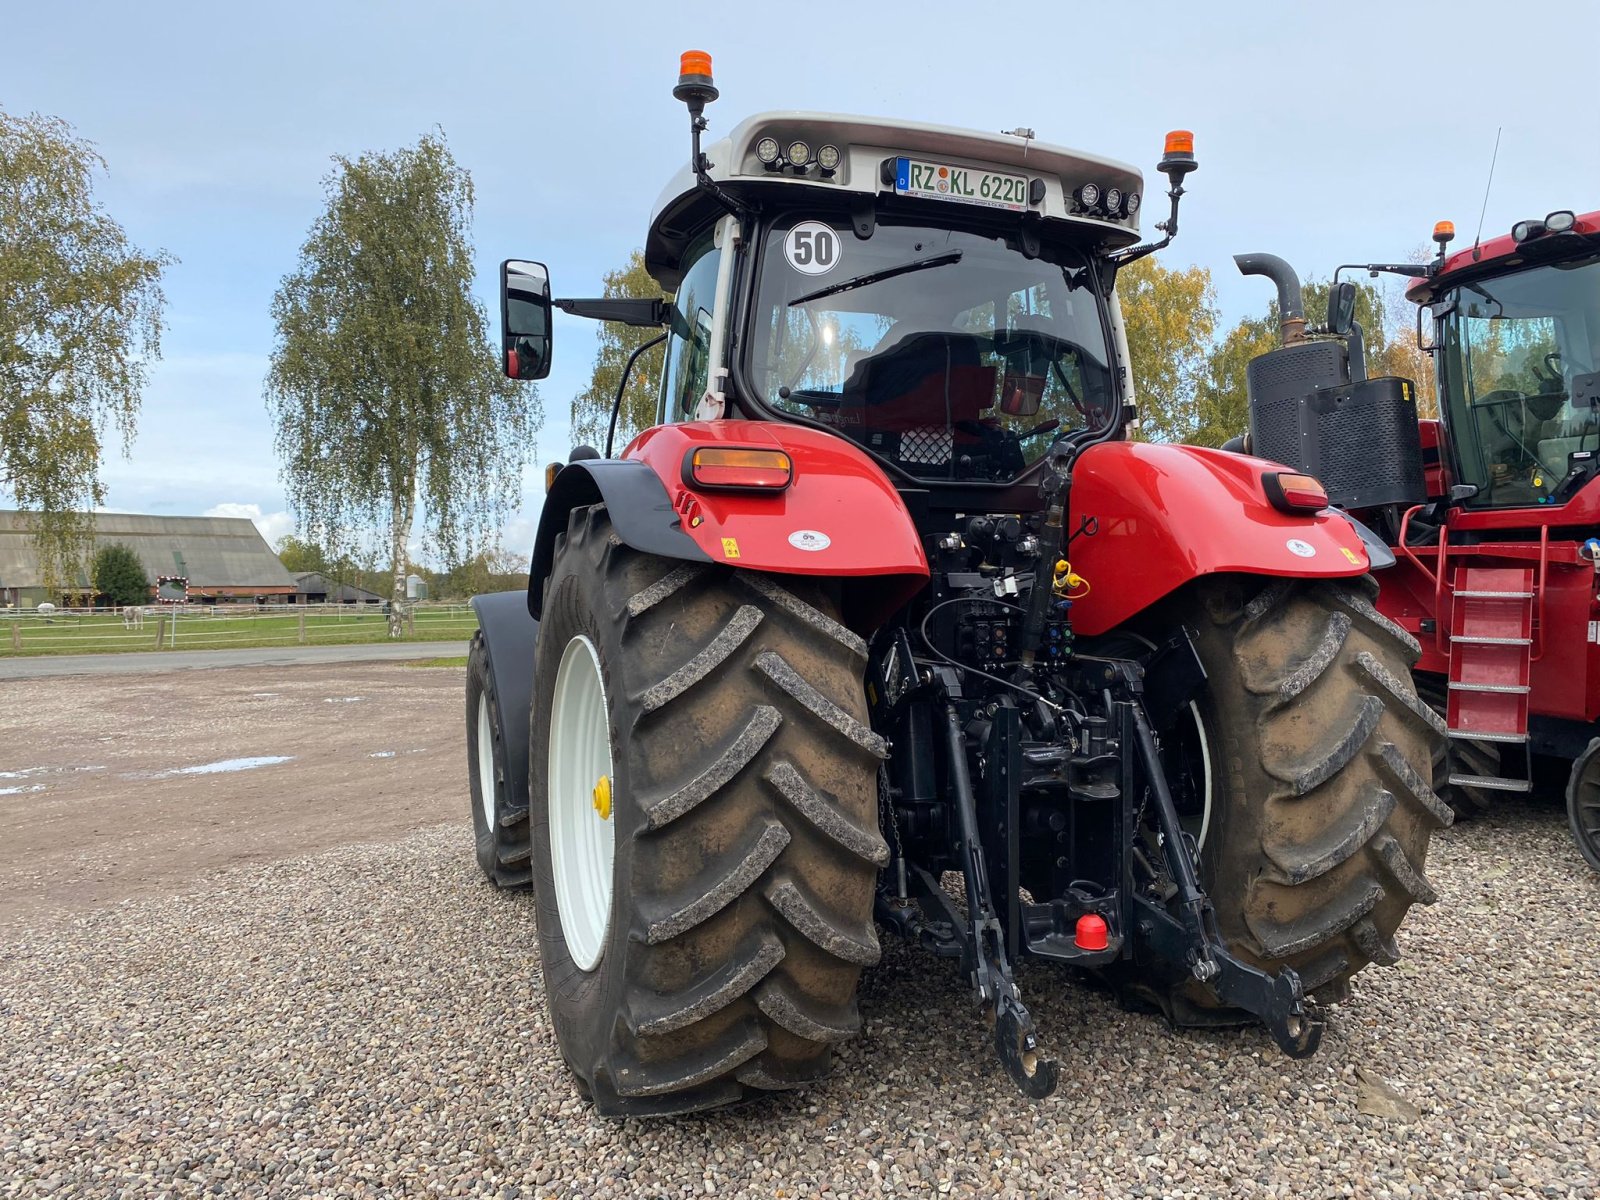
[1325, 133]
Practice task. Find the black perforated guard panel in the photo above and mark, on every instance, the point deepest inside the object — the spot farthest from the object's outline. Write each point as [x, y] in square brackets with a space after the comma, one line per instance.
[1359, 439]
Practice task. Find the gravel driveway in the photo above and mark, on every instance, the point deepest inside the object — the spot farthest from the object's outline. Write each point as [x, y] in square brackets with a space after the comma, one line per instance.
[369, 1021]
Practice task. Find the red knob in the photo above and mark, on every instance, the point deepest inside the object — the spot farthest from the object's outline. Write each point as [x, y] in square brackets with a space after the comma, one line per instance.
[1090, 933]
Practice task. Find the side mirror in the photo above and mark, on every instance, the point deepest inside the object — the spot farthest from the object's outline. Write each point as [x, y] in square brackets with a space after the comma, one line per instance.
[525, 319]
[1427, 316]
[1341, 308]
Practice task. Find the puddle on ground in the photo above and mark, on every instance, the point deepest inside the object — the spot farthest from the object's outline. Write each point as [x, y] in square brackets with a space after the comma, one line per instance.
[226, 766]
[383, 754]
[14, 791]
[342, 699]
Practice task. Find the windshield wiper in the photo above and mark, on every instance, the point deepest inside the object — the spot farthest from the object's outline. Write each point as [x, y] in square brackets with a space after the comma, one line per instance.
[921, 264]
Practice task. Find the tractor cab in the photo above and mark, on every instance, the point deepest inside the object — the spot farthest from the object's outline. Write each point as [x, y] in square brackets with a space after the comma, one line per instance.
[941, 298]
[1518, 354]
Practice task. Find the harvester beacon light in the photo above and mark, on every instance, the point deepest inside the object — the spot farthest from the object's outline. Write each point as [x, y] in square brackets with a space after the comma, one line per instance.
[767, 150]
[1444, 232]
[828, 159]
[1560, 221]
[799, 154]
[1177, 155]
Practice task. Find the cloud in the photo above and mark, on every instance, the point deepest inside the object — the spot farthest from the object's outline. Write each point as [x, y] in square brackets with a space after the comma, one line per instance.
[273, 526]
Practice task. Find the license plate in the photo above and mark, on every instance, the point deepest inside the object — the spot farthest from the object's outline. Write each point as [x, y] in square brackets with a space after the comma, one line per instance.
[940, 181]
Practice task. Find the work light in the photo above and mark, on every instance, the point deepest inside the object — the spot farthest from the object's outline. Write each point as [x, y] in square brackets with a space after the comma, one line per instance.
[767, 150]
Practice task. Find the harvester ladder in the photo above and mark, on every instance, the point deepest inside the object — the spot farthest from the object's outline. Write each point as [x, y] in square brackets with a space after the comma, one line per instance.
[1491, 653]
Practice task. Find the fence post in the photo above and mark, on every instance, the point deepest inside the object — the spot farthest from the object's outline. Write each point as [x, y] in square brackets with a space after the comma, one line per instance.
[161, 629]
[16, 636]
[302, 629]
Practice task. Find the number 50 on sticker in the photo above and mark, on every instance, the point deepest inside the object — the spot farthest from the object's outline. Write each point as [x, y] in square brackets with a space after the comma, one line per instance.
[812, 248]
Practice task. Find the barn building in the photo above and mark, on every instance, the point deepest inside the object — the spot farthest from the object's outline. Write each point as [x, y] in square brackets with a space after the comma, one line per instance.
[224, 559]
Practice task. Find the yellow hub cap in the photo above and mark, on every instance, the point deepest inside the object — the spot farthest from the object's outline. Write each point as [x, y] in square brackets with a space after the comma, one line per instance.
[602, 797]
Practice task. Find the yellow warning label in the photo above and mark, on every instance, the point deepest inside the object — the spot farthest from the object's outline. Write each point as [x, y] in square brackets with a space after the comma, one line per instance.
[730, 547]
[1351, 555]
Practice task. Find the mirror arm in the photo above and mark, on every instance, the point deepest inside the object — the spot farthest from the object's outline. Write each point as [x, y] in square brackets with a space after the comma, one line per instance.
[622, 386]
[646, 313]
[1169, 227]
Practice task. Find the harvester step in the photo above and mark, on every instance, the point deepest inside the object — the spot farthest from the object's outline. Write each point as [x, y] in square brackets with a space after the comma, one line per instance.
[1492, 783]
[1462, 640]
[1471, 735]
[1479, 595]
[1510, 689]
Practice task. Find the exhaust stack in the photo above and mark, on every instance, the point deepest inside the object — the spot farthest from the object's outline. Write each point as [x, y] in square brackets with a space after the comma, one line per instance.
[1291, 307]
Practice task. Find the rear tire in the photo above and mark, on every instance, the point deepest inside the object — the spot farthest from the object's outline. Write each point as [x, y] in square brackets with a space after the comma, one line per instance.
[499, 821]
[1321, 809]
[744, 811]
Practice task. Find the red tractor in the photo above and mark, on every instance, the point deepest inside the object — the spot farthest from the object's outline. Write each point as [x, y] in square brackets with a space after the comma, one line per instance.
[1492, 512]
[884, 624]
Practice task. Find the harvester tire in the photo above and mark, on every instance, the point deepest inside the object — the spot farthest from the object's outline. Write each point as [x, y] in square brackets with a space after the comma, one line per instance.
[1321, 809]
[1466, 756]
[1583, 803]
[746, 842]
[499, 821]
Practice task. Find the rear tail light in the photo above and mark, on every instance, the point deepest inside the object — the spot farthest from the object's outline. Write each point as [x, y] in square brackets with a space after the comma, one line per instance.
[1293, 493]
[737, 469]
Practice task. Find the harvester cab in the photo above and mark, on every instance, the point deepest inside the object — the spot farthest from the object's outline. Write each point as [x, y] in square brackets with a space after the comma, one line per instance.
[1491, 509]
[884, 623]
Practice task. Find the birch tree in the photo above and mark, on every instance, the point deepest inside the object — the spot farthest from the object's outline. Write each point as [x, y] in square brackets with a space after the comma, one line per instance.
[80, 324]
[384, 386]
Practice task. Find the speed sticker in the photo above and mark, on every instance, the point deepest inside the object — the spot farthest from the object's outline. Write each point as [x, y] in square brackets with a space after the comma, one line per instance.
[812, 248]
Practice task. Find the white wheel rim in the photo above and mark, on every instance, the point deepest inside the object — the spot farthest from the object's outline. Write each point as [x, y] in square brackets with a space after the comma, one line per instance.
[582, 840]
[1205, 766]
[486, 771]
[1205, 758]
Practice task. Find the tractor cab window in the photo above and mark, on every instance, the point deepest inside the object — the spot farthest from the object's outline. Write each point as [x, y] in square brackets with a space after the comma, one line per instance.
[1520, 369]
[949, 353]
[688, 363]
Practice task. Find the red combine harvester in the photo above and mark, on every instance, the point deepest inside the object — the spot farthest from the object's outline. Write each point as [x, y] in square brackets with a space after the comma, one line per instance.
[1492, 512]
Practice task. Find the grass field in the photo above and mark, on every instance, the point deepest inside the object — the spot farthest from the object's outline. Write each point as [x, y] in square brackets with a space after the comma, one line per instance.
[216, 629]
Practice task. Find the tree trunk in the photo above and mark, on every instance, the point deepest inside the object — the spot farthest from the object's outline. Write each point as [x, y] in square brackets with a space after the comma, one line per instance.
[401, 508]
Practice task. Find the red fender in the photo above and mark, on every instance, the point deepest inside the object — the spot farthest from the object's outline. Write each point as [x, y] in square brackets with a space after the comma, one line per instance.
[1169, 514]
[840, 517]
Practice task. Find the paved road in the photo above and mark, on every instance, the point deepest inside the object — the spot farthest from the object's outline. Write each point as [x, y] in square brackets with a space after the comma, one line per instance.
[198, 660]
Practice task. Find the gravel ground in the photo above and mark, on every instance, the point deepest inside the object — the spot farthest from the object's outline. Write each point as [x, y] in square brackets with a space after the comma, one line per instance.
[369, 1021]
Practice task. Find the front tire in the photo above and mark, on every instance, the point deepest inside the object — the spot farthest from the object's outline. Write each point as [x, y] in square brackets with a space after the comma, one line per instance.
[742, 805]
[499, 821]
[1321, 809]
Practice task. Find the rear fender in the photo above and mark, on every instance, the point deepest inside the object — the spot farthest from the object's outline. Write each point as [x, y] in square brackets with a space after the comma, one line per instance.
[1166, 515]
[509, 634]
[840, 519]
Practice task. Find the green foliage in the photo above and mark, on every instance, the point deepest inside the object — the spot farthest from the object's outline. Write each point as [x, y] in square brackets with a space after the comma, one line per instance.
[591, 408]
[119, 576]
[383, 383]
[299, 555]
[80, 324]
[1170, 316]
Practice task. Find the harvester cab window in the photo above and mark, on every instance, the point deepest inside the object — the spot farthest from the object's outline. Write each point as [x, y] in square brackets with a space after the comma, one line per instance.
[947, 352]
[688, 363]
[1519, 354]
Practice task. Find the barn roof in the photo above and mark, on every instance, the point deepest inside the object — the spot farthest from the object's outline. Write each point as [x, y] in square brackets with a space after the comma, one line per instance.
[208, 551]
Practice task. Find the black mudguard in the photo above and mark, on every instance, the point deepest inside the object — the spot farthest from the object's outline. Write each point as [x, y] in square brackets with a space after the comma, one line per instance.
[635, 500]
[509, 636]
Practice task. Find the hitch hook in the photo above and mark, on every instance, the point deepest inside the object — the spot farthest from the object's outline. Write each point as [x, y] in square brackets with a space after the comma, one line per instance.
[1034, 1076]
